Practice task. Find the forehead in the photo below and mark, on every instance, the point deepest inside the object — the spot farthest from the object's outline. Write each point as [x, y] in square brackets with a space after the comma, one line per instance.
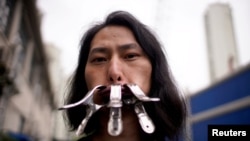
[113, 33]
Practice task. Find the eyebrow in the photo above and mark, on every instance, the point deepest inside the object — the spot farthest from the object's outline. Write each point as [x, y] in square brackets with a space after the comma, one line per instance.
[120, 48]
[98, 50]
[128, 46]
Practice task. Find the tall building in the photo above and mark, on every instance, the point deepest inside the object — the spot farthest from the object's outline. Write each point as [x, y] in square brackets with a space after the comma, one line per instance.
[221, 42]
[58, 82]
[26, 96]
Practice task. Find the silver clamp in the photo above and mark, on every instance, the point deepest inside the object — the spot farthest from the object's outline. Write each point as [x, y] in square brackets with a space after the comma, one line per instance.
[144, 120]
[91, 108]
[115, 117]
[115, 125]
[139, 94]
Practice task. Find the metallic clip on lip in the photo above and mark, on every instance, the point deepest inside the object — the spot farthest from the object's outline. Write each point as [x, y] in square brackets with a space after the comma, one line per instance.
[144, 120]
[136, 90]
[115, 117]
[90, 111]
[88, 99]
[115, 126]
[91, 108]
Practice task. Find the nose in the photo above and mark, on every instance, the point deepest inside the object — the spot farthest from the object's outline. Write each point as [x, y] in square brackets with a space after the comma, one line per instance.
[115, 72]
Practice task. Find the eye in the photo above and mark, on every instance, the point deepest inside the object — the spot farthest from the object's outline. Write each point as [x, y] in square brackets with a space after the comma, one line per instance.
[131, 56]
[99, 60]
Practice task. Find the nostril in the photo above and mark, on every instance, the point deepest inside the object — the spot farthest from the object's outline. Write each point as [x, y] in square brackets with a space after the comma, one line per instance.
[111, 79]
[119, 79]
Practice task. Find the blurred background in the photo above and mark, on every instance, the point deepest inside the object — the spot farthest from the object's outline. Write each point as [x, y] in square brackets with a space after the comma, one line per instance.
[206, 42]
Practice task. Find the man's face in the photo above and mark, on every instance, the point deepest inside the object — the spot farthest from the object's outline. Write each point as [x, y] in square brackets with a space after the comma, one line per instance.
[115, 57]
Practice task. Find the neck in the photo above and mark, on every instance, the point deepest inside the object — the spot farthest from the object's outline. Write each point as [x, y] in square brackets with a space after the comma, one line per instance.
[131, 128]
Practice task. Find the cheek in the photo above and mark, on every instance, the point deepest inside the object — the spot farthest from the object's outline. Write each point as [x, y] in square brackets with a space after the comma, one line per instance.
[147, 82]
[94, 77]
[143, 77]
[87, 77]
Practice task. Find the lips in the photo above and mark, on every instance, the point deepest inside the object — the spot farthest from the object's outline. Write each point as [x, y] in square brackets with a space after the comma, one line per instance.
[106, 91]
[103, 95]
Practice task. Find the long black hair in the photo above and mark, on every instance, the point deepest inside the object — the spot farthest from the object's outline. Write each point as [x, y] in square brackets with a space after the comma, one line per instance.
[169, 114]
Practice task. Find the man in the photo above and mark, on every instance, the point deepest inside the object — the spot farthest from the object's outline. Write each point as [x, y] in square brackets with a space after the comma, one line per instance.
[121, 51]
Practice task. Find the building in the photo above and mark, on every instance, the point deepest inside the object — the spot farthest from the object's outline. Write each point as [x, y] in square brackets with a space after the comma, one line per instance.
[26, 97]
[58, 82]
[221, 43]
[226, 102]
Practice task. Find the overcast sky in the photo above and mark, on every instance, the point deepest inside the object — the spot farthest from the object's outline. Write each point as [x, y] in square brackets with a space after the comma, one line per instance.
[179, 24]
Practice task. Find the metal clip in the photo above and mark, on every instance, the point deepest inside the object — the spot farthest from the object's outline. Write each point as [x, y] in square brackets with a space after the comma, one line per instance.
[115, 126]
[91, 108]
[87, 100]
[144, 120]
[140, 94]
[115, 117]
[130, 101]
